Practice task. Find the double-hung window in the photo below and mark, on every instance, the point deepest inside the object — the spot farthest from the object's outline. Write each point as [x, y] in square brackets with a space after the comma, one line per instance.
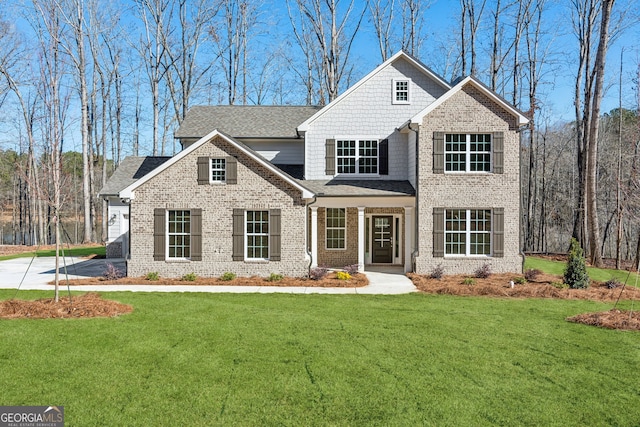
[218, 170]
[467, 232]
[401, 88]
[357, 156]
[257, 235]
[467, 152]
[336, 228]
[179, 234]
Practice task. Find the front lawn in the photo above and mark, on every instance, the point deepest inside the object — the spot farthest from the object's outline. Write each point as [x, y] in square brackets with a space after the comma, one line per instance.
[76, 251]
[347, 360]
[599, 274]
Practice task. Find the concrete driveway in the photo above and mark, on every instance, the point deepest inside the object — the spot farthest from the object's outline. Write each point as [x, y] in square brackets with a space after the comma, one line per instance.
[35, 273]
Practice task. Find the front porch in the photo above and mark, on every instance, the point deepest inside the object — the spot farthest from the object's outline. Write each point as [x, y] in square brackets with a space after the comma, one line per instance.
[377, 234]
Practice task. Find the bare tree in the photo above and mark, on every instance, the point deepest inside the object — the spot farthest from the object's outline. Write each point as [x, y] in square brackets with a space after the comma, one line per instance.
[183, 68]
[329, 24]
[155, 15]
[382, 18]
[473, 17]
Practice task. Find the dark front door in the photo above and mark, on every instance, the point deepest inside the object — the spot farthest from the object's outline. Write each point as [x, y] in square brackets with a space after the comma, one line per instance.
[382, 239]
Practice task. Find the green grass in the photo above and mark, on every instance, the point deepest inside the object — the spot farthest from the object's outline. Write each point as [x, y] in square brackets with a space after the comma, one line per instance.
[599, 274]
[77, 252]
[343, 360]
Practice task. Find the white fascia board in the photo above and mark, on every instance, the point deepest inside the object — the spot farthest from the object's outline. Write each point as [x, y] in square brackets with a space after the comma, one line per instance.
[417, 119]
[400, 54]
[129, 192]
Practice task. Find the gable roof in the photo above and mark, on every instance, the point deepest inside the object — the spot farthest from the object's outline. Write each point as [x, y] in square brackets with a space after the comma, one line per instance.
[522, 120]
[245, 121]
[129, 171]
[401, 54]
[128, 192]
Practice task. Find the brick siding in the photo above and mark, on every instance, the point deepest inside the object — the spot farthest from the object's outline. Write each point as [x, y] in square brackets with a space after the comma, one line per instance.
[257, 189]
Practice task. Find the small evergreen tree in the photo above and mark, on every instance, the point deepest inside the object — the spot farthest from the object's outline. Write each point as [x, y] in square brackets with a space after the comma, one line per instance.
[575, 274]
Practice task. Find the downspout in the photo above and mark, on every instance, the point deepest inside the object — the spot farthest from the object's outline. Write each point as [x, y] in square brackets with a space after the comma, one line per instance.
[306, 233]
[415, 252]
[520, 207]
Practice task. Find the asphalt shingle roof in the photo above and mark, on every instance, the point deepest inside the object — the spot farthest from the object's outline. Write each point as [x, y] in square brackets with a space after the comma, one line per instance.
[245, 121]
[129, 171]
[361, 187]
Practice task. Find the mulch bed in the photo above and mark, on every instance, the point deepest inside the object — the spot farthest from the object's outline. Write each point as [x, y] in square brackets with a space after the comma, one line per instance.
[329, 281]
[612, 319]
[497, 285]
[87, 305]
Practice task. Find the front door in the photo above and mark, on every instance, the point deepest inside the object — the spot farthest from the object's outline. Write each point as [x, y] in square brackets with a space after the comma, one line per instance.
[382, 239]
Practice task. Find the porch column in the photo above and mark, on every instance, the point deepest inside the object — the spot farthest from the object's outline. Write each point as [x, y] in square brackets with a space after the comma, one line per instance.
[361, 235]
[408, 237]
[314, 236]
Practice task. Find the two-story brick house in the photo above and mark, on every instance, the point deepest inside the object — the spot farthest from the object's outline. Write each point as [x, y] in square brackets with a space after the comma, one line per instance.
[403, 169]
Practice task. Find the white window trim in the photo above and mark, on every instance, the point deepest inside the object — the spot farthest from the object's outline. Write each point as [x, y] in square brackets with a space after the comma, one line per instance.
[211, 180]
[467, 153]
[358, 139]
[467, 232]
[246, 235]
[167, 233]
[394, 92]
[326, 216]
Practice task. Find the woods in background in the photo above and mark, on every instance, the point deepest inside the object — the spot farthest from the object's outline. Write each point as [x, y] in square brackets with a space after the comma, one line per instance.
[85, 83]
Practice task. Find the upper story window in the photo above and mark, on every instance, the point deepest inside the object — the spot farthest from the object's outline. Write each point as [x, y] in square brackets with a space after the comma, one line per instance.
[467, 152]
[218, 170]
[357, 156]
[178, 234]
[401, 91]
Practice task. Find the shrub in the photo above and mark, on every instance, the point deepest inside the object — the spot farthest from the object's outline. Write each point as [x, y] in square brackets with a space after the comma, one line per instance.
[559, 285]
[153, 276]
[112, 272]
[190, 277]
[343, 275]
[437, 272]
[575, 273]
[520, 280]
[532, 274]
[317, 273]
[469, 281]
[483, 271]
[352, 269]
[274, 277]
[228, 276]
[612, 283]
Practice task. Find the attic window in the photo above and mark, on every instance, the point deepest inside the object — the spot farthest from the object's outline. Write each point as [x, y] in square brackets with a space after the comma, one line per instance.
[401, 91]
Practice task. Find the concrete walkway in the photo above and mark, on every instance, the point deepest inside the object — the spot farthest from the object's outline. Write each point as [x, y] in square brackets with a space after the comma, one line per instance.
[36, 273]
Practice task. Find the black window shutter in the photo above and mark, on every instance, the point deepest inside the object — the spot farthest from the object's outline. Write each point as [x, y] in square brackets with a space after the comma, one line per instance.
[238, 235]
[498, 152]
[274, 235]
[438, 232]
[383, 155]
[330, 157]
[159, 224]
[204, 172]
[231, 170]
[196, 234]
[498, 232]
[438, 152]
